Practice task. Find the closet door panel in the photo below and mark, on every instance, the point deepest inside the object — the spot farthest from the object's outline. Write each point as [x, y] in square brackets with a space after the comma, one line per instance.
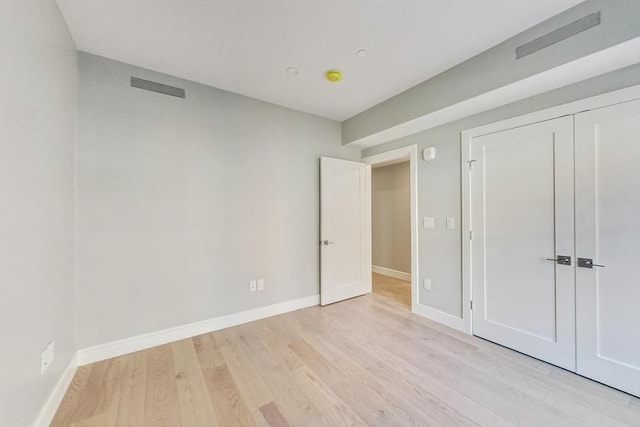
[607, 153]
[522, 219]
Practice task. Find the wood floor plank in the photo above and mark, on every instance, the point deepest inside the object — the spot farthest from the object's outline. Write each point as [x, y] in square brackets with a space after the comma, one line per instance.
[129, 401]
[330, 372]
[193, 398]
[396, 397]
[99, 392]
[273, 416]
[468, 382]
[209, 355]
[395, 291]
[228, 404]
[73, 398]
[338, 352]
[277, 336]
[438, 396]
[400, 371]
[374, 409]
[294, 403]
[337, 412]
[502, 364]
[259, 418]
[161, 392]
[591, 390]
[405, 393]
[255, 393]
[95, 421]
[364, 361]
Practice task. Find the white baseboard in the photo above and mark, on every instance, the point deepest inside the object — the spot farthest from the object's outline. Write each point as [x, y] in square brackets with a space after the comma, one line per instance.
[391, 273]
[57, 394]
[141, 342]
[441, 317]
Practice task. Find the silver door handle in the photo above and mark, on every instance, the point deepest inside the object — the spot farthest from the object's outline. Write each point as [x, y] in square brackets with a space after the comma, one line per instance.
[561, 259]
[587, 263]
[325, 243]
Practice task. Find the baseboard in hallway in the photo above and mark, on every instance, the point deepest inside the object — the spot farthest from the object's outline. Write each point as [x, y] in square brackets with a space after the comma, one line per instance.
[391, 273]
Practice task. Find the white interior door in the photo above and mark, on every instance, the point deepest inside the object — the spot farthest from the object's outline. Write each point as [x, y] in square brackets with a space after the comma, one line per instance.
[608, 233]
[345, 230]
[521, 220]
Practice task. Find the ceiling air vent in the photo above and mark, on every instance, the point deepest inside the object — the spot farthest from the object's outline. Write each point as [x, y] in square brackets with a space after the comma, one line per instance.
[157, 87]
[558, 35]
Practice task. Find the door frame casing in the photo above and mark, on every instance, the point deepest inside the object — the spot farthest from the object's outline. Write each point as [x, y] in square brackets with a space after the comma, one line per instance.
[391, 157]
[466, 137]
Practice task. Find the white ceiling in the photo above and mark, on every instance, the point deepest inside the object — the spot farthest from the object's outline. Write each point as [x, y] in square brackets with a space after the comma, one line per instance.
[245, 46]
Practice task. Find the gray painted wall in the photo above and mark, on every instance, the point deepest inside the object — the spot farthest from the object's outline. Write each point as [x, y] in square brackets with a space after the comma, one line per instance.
[439, 187]
[391, 217]
[37, 126]
[182, 201]
[498, 67]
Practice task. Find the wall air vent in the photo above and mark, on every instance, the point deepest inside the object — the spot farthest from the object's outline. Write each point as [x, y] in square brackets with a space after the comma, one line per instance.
[157, 87]
[558, 35]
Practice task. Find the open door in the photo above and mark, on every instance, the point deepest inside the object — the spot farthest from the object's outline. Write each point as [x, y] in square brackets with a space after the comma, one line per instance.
[345, 229]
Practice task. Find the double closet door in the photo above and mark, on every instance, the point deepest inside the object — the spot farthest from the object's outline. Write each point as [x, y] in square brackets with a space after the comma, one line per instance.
[555, 253]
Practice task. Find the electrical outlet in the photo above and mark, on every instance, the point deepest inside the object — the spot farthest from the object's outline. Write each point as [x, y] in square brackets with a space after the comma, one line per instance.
[451, 223]
[260, 284]
[429, 222]
[252, 286]
[46, 357]
[426, 284]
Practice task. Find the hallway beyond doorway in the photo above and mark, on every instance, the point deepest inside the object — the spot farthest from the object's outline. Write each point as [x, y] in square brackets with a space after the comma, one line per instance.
[398, 291]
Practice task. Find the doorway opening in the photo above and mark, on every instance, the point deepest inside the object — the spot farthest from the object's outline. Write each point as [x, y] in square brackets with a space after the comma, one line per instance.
[393, 226]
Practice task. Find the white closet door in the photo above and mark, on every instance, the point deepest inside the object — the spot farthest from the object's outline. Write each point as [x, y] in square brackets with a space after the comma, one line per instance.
[522, 215]
[608, 233]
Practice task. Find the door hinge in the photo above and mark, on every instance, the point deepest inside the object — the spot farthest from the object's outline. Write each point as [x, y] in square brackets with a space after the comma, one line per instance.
[470, 235]
[471, 164]
[471, 304]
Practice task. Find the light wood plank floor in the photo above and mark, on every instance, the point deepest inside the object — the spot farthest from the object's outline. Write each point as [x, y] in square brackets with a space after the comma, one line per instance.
[397, 291]
[365, 361]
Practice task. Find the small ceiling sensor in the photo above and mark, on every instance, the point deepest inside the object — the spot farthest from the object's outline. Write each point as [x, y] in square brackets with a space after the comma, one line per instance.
[292, 71]
[333, 76]
[362, 52]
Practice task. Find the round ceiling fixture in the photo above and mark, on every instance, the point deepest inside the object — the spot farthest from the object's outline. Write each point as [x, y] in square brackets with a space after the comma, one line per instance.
[292, 71]
[334, 76]
[362, 52]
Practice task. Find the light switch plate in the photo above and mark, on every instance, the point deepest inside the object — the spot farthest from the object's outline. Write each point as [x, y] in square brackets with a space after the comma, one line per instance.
[252, 286]
[451, 223]
[429, 222]
[426, 284]
[260, 284]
